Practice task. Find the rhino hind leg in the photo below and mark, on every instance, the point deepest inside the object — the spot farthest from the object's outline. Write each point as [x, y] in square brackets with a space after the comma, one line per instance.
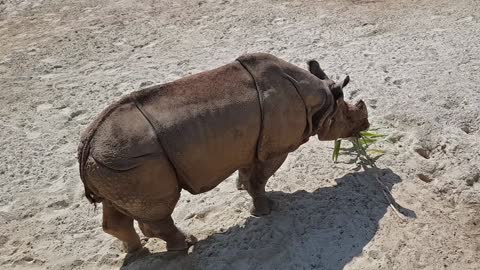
[120, 226]
[147, 193]
[255, 178]
[166, 230]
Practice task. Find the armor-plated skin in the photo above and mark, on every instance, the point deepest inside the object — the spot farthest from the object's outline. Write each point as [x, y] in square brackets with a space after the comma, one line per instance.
[194, 132]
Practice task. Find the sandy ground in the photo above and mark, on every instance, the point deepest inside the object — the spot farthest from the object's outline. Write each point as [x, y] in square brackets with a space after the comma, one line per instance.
[415, 63]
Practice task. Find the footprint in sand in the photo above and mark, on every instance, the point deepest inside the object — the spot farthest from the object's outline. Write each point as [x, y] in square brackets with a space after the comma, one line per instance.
[61, 204]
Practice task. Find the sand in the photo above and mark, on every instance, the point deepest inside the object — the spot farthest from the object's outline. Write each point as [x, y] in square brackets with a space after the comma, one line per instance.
[415, 63]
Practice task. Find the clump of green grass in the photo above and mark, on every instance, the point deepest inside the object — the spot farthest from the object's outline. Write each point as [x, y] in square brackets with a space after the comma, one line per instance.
[361, 146]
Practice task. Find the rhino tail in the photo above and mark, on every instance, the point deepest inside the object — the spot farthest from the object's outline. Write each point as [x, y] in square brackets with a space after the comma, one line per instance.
[83, 153]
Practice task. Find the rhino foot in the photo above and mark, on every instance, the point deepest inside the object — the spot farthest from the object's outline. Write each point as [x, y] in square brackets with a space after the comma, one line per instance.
[181, 242]
[262, 206]
[133, 248]
[240, 184]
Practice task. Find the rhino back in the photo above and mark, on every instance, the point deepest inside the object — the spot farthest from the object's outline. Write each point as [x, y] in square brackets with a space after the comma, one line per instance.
[208, 124]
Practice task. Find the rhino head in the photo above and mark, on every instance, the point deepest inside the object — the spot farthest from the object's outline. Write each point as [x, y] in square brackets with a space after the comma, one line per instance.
[346, 120]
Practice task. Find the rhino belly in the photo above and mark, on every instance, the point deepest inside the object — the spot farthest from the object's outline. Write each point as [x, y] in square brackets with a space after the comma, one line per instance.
[209, 149]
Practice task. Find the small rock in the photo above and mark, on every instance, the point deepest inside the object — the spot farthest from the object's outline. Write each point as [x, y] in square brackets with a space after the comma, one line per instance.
[77, 113]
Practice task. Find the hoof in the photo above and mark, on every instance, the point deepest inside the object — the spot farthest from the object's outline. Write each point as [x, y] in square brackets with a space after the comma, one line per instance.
[240, 185]
[262, 207]
[182, 243]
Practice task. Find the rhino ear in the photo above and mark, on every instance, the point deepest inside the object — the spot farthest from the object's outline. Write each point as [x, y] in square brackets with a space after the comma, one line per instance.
[316, 70]
[345, 81]
[337, 88]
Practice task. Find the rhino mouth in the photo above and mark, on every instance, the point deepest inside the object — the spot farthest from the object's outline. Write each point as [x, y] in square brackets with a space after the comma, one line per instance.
[364, 127]
[357, 133]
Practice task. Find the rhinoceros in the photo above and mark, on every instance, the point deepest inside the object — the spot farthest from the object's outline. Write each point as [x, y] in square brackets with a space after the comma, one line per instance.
[193, 133]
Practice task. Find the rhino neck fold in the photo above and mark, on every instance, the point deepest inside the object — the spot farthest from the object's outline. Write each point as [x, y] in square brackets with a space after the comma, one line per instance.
[309, 127]
[284, 114]
[316, 96]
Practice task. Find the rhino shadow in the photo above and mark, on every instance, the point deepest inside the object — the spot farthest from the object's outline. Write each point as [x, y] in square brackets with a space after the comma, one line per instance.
[323, 229]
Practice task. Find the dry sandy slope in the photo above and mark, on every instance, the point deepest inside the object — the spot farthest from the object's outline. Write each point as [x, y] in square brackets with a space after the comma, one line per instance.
[415, 63]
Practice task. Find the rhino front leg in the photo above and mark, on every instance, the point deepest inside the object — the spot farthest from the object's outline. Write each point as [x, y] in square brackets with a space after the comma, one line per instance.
[255, 178]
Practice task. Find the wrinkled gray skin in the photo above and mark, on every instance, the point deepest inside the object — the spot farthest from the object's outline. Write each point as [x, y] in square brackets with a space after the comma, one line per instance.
[194, 132]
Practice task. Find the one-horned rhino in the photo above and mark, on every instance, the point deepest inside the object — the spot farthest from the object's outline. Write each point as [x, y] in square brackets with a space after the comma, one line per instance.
[194, 132]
